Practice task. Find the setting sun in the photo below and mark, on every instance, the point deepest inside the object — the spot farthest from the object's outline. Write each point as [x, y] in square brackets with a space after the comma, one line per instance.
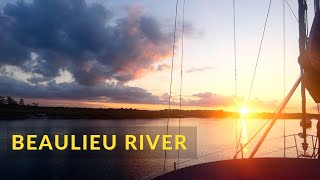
[244, 111]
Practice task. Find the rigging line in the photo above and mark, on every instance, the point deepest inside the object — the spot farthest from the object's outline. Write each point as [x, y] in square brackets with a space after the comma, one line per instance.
[235, 48]
[181, 68]
[318, 113]
[302, 44]
[255, 69]
[257, 134]
[235, 62]
[205, 155]
[284, 74]
[258, 131]
[171, 77]
[258, 57]
[263, 154]
[189, 160]
[306, 20]
[262, 126]
[295, 16]
[202, 156]
[252, 137]
[238, 142]
[292, 12]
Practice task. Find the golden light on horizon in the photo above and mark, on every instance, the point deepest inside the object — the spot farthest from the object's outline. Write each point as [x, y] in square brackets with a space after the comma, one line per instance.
[244, 111]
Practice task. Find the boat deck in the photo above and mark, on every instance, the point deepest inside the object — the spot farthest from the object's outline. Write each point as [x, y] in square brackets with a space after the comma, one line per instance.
[259, 168]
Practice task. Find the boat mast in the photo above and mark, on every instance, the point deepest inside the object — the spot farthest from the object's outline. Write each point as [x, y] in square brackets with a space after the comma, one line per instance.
[302, 49]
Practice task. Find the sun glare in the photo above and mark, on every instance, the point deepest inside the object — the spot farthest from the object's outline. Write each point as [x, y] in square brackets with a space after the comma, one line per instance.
[244, 111]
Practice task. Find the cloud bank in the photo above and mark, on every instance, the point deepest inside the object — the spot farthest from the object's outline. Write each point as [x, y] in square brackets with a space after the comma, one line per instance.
[86, 41]
[46, 36]
[43, 38]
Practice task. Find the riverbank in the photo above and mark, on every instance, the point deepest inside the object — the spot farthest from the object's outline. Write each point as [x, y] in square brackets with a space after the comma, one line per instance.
[30, 112]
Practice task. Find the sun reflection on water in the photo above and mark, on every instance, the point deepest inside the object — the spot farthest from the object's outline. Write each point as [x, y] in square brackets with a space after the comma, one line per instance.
[244, 136]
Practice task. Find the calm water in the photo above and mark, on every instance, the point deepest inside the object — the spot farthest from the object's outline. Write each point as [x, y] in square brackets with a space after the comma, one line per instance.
[213, 135]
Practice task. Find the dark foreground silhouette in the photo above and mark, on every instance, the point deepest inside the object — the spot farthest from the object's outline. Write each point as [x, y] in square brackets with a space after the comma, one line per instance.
[264, 168]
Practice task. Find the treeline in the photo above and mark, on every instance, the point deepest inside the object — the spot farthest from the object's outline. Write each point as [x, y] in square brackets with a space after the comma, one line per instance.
[31, 112]
[9, 101]
[17, 109]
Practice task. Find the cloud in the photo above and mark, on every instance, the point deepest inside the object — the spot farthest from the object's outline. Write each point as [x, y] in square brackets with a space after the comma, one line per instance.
[109, 92]
[45, 37]
[200, 69]
[211, 100]
[262, 104]
[116, 93]
[45, 41]
[163, 67]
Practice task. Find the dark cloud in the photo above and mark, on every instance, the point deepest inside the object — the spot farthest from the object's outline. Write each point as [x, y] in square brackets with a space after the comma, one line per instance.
[110, 92]
[84, 39]
[42, 38]
[113, 92]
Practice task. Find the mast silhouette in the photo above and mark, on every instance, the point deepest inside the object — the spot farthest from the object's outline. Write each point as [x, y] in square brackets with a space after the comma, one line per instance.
[302, 49]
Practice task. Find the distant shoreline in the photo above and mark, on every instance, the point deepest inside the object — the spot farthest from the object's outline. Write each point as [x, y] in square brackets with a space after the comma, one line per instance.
[30, 112]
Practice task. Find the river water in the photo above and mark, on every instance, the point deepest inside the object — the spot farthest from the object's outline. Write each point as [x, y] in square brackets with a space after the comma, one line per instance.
[216, 140]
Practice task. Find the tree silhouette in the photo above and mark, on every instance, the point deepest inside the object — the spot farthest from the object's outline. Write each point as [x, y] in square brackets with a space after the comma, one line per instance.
[2, 100]
[11, 101]
[21, 103]
[35, 104]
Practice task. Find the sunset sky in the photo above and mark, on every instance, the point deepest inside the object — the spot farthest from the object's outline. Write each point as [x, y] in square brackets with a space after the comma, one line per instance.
[99, 53]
